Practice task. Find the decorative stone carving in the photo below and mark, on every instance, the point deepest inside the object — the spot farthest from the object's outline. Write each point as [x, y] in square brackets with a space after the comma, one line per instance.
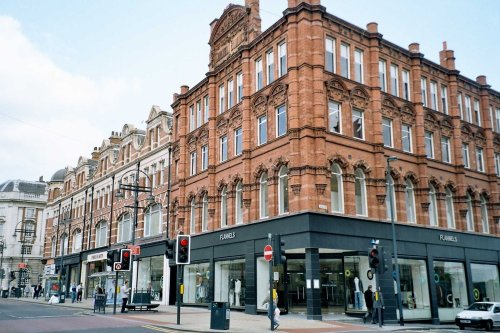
[466, 134]
[336, 90]
[192, 143]
[235, 118]
[389, 107]
[320, 189]
[222, 127]
[408, 114]
[203, 138]
[463, 212]
[339, 159]
[296, 189]
[359, 98]
[247, 203]
[258, 171]
[480, 138]
[446, 128]
[380, 199]
[279, 95]
[211, 212]
[259, 105]
[431, 123]
[425, 206]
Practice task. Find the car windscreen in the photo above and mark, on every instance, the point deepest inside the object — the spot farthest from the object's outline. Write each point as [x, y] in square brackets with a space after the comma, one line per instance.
[480, 307]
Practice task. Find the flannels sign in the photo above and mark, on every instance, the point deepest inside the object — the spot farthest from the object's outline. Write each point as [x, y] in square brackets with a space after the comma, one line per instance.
[228, 235]
[445, 238]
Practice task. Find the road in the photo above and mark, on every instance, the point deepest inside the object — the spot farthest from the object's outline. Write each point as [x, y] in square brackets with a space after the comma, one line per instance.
[24, 317]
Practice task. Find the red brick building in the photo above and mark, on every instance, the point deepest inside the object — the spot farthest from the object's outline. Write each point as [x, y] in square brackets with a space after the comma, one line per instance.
[297, 123]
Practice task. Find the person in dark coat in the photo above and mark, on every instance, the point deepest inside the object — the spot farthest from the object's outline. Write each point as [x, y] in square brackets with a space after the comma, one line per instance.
[369, 304]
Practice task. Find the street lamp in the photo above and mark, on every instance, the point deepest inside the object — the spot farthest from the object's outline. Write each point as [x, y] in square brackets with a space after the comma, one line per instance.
[136, 188]
[394, 246]
[62, 276]
[25, 231]
[2, 270]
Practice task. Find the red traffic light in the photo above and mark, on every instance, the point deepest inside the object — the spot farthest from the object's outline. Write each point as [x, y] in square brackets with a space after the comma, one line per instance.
[126, 254]
[184, 242]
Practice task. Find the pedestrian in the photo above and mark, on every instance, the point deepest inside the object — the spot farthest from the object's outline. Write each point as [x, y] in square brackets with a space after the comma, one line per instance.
[378, 306]
[37, 291]
[79, 292]
[275, 311]
[124, 293]
[73, 292]
[369, 304]
[27, 290]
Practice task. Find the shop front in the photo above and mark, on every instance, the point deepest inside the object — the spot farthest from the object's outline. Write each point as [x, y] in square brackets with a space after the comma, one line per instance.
[327, 270]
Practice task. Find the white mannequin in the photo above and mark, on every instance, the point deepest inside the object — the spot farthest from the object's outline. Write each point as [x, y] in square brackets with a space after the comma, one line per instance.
[356, 284]
[237, 291]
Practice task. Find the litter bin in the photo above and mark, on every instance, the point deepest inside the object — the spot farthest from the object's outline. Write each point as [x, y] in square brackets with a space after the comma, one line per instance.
[62, 298]
[219, 316]
[5, 293]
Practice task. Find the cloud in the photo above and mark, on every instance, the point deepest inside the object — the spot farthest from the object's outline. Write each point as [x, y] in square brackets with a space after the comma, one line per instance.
[49, 116]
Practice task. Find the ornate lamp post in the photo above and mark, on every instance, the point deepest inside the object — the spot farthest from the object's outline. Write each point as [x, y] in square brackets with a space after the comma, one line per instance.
[27, 236]
[394, 245]
[136, 188]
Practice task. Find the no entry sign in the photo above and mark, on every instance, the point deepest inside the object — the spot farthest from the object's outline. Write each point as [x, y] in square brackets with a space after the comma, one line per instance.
[268, 252]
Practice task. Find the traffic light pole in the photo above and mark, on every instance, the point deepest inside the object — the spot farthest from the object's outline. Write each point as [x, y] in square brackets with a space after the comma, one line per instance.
[116, 291]
[178, 296]
[271, 300]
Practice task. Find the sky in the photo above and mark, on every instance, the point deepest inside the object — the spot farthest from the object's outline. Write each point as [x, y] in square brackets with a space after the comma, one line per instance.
[71, 72]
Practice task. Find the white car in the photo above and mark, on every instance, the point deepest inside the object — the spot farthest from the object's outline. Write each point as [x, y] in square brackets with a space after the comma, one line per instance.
[480, 314]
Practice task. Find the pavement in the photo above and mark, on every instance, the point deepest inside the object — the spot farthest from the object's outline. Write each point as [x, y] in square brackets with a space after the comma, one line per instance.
[197, 319]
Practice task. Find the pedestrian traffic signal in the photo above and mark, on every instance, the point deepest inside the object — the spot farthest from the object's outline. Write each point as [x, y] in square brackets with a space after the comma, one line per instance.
[125, 257]
[183, 250]
[2, 273]
[170, 252]
[111, 258]
[373, 258]
[279, 254]
[12, 276]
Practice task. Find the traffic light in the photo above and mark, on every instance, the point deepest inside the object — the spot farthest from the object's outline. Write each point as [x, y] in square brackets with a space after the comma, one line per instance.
[279, 251]
[2, 273]
[111, 258]
[170, 252]
[373, 258]
[183, 250]
[383, 262]
[12, 276]
[125, 257]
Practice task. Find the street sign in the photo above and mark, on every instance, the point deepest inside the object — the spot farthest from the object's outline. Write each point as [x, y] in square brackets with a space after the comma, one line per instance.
[21, 265]
[136, 249]
[268, 252]
[118, 266]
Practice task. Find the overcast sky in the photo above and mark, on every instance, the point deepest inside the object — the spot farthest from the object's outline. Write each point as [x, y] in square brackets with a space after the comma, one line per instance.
[71, 72]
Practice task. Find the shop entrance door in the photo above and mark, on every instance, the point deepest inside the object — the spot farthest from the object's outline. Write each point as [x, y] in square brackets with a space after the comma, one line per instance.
[297, 292]
[332, 286]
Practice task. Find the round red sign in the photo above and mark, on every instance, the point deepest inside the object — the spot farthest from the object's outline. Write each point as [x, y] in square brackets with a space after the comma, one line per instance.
[268, 252]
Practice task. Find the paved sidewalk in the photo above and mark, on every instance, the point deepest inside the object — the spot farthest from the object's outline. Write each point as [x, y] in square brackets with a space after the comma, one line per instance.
[195, 319]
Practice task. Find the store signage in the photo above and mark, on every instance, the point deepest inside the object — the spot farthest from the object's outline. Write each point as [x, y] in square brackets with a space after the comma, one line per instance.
[49, 269]
[446, 238]
[97, 256]
[227, 235]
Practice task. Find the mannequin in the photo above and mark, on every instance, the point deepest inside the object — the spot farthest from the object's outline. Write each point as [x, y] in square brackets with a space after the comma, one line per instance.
[358, 293]
[237, 291]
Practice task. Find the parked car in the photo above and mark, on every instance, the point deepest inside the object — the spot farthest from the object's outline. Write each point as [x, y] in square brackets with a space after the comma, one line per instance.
[480, 314]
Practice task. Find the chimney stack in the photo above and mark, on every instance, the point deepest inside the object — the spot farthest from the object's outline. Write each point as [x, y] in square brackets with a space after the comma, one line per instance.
[255, 21]
[447, 57]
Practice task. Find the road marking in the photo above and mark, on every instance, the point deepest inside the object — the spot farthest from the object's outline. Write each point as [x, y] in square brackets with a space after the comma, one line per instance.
[159, 329]
[36, 317]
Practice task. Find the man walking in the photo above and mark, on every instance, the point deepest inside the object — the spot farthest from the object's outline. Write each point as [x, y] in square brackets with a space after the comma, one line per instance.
[124, 293]
[369, 304]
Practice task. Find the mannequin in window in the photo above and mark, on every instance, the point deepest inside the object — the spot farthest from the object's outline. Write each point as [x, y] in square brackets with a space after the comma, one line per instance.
[358, 293]
[237, 291]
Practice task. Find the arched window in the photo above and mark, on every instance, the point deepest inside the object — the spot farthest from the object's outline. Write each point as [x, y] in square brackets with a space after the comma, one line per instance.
[433, 213]
[411, 215]
[263, 199]
[64, 244]
[152, 224]
[204, 213]
[390, 194]
[192, 217]
[336, 189]
[124, 228]
[239, 203]
[469, 217]
[223, 207]
[53, 246]
[283, 190]
[101, 231]
[360, 192]
[77, 241]
[484, 214]
[450, 212]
